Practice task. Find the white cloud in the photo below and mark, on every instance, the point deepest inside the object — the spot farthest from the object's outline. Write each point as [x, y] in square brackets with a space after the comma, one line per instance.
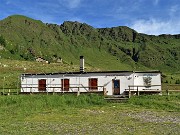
[156, 27]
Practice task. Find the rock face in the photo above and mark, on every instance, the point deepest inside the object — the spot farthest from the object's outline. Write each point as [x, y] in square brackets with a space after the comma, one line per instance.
[25, 38]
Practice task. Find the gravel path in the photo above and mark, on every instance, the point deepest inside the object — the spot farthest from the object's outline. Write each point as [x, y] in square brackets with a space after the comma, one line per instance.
[157, 117]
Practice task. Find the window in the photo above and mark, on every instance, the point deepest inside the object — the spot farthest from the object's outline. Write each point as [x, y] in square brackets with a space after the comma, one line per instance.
[42, 85]
[116, 83]
[65, 84]
[93, 83]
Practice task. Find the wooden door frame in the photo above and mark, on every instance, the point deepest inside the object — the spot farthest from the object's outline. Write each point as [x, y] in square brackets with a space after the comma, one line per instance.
[113, 86]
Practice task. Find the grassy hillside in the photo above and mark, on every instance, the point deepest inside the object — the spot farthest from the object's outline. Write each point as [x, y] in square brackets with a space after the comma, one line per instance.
[27, 39]
[117, 48]
[10, 70]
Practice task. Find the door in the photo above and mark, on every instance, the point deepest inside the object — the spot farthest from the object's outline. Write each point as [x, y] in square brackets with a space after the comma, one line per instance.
[65, 84]
[93, 84]
[42, 85]
[116, 87]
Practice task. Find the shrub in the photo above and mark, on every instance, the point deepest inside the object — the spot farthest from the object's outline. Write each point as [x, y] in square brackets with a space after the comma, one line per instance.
[177, 81]
[2, 41]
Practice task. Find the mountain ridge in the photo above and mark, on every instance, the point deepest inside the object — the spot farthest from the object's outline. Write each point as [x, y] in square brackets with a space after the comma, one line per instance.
[115, 48]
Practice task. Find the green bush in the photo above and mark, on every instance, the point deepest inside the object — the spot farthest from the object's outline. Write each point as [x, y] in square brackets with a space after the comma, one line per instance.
[177, 81]
[2, 41]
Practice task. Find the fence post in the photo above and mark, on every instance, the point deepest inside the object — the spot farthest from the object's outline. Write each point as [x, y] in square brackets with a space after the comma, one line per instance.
[78, 92]
[53, 91]
[9, 91]
[30, 90]
[17, 91]
[167, 91]
[137, 91]
[47, 92]
[105, 92]
[129, 92]
[17, 86]
[3, 85]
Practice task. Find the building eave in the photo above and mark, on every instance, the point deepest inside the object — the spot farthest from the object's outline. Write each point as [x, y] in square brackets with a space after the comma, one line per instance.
[94, 72]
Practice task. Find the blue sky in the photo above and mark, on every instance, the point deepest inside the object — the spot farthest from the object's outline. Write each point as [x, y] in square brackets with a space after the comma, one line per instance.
[145, 16]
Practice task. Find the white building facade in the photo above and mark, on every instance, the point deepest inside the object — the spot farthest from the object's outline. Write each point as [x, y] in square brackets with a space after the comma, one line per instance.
[108, 82]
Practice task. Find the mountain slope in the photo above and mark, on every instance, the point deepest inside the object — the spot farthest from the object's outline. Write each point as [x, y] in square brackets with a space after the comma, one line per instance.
[117, 48]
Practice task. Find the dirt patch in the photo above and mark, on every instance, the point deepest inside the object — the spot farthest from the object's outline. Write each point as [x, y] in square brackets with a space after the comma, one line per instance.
[157, 117]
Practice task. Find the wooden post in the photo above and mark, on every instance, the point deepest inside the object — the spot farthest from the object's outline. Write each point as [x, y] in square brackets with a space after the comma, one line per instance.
[53, 91]
[167, 93]
[4, 85]
[137, 91]
[30, 90]
[17, 92]
[78, 93]
[17, 86]
[129, 92]
[9, 92]
[167, 90]
[105, 92]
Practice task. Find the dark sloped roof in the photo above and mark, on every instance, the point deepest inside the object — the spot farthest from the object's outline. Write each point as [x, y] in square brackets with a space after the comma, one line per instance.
[96, 72]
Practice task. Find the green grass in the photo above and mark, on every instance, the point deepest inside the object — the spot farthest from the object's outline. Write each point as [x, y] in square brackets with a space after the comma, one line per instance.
[87, 114]
[168, 103]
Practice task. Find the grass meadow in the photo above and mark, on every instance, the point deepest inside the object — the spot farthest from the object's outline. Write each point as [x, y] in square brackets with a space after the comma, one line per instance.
[85, 114]
[89, 114]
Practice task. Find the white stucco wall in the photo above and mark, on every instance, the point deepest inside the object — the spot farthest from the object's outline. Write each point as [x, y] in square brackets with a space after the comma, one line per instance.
[155, 79]
[77, 80]
[82, 80]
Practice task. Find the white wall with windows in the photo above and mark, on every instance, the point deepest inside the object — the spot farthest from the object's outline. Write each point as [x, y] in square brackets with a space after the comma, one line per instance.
[85, 82]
